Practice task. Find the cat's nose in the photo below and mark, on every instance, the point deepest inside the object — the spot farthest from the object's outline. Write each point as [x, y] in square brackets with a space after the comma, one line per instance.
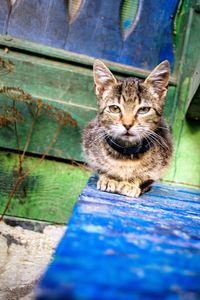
[127, 126]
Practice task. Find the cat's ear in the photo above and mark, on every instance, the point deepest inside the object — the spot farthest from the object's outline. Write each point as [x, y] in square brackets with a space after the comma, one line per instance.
[103, 78]
[158, 79]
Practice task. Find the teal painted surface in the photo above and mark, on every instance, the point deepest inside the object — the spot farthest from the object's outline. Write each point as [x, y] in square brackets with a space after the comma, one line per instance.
[129, 16]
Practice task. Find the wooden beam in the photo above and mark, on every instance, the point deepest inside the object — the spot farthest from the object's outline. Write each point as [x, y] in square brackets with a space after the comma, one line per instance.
[120, 248]
[47, 193]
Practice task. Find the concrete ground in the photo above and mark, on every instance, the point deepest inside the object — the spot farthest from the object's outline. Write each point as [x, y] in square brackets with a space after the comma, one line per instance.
[25, 251]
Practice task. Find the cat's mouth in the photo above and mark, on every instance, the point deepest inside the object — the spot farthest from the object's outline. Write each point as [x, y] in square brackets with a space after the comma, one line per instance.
[129, 137]
[128, 134]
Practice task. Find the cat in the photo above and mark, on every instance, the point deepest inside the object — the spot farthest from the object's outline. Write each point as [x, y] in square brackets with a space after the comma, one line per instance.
[128, 144]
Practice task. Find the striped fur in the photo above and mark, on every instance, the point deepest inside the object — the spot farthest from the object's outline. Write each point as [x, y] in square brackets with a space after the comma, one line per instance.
[129, 111]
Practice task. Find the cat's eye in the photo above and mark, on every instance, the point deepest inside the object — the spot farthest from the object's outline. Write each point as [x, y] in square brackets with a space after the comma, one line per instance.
[114, 109]
[143, 110]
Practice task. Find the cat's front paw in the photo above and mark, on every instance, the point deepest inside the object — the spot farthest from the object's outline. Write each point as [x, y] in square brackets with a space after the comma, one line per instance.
[124, 188]
[130, 190]
[106, 184]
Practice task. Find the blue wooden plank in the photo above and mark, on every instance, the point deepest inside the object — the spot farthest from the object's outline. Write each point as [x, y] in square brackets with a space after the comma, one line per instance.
[153, 35]
[96, 29]
[121, 248]
[96, 32]
[4, 14]
[43, 21]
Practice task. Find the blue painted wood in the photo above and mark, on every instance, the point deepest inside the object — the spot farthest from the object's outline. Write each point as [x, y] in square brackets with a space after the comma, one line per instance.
[97, 32]
[4, 13]
[153, 35]
[96, 29]
[120, 248]
[42, 21]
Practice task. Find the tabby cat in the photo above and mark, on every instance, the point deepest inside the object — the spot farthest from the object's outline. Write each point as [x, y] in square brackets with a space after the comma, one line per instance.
[128, 144]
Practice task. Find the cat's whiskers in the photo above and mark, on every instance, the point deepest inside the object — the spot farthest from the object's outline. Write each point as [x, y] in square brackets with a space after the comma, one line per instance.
[154, 141]
[99, 137]
[157, 139]
[152, 136]
[165, 128]
[117, 130]
[142, 136]
[138, 136]
[157, 136]
[115, 143]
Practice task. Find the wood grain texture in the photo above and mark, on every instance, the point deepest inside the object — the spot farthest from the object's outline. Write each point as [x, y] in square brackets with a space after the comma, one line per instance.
[186, 166]
[120, 248]
[73, 58]
[193, 111]
[96, 29]
[43, 21]
[48, 193]
[4, 16]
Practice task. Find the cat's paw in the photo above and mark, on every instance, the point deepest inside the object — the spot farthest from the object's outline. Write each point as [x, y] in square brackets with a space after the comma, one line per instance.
[106, 184]
[124, 188]
[129, 190]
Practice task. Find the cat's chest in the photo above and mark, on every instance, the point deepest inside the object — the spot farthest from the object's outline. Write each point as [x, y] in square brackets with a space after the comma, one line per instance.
[123, 168]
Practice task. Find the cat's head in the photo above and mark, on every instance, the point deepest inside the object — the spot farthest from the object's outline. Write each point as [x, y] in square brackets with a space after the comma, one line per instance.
[130, 109]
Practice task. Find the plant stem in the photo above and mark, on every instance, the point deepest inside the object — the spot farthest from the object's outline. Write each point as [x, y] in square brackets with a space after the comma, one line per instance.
[21, 178]
[30, 132]
[17, 141]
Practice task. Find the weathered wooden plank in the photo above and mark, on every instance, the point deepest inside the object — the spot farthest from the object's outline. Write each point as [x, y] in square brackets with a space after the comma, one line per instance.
[67, 56]
[193, 111]
[4, 15]
[48, 193]
[49, 79]
[96, 30]
[186, 167]
[67, 144]
[151, 41]
[55, 80]
[121, 248]
[43, 21]
[105, 40]
[194, 82]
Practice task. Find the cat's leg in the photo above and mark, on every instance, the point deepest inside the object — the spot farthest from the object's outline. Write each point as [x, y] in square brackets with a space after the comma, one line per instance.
[145, 186]
[121, 187]
[107, 184]
[129, 189]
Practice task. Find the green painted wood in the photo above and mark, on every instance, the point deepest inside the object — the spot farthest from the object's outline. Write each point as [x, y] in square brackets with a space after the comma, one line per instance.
[189, 62]
[180, 28]
[193, 111]
[194, 82]
[67, 144]
[49, 79]
[128, 14]
[185, 165]
[10, 42]
[48, 193]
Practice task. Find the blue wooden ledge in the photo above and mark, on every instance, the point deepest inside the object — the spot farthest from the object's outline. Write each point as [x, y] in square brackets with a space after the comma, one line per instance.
[120, 248]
